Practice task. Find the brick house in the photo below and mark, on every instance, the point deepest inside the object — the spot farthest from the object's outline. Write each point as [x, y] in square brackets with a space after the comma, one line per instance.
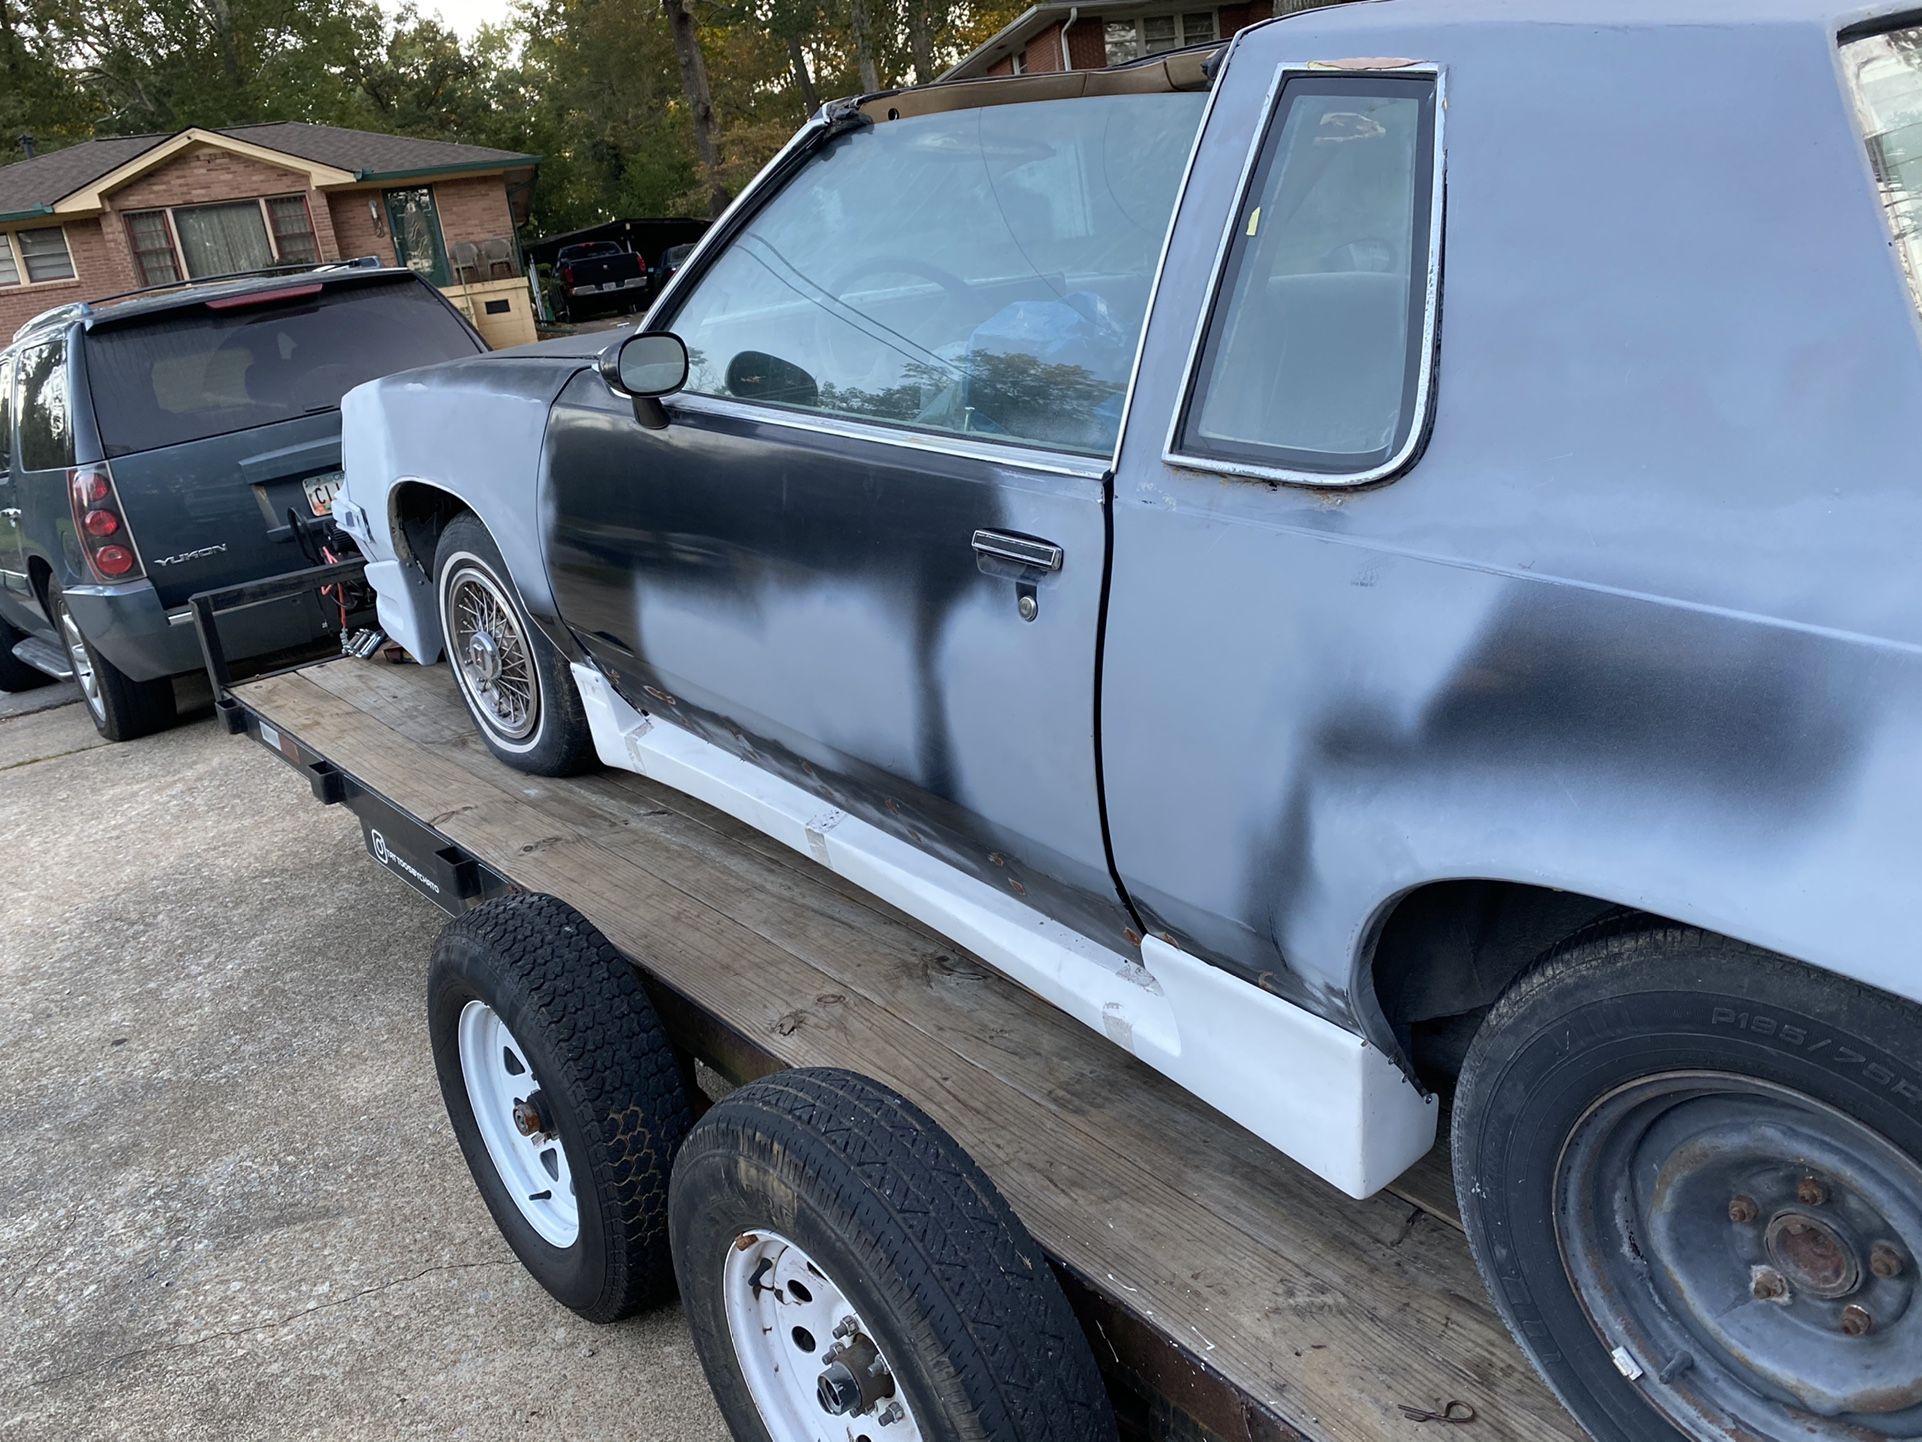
[1064, 36]
[119, 213]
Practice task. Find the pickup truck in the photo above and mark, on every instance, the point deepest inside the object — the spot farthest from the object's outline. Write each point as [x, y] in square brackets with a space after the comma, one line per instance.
[597, 274]
[1356, 564]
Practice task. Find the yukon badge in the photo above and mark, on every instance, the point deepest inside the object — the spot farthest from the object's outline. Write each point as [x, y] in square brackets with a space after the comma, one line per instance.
[198, 555]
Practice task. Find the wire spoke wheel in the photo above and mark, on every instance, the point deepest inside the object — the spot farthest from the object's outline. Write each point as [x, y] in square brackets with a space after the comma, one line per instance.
[490, 653]
[804, 1351]
[516, 1123]
[1748, 1256]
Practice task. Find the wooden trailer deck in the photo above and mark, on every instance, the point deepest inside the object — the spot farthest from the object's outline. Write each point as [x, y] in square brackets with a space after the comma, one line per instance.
[1222, 1286]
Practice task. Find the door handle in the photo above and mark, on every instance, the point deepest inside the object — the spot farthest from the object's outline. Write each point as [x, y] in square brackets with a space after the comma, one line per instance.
[1020, 550]
[1020, 559]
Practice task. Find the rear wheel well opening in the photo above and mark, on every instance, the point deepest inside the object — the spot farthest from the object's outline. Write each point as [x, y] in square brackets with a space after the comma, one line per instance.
[40, 577]
[1445, 953]
[419, 512]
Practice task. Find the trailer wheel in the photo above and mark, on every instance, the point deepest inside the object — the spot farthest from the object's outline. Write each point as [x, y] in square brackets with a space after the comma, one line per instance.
[516, 685]
[1691, 1175]
[565, 1096]
[846, 1265]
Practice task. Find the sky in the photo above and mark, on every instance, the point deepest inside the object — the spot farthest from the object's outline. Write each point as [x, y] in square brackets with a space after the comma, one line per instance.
[464, 17]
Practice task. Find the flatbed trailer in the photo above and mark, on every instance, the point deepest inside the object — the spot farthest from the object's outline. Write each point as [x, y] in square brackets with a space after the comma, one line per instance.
[1226, 1293]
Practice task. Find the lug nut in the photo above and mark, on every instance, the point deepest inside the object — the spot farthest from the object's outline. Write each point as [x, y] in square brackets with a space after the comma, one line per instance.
[1856, 1322]
[1768, 1285]
[1742, 1210]
[1885, 1261]
[1811, 1193]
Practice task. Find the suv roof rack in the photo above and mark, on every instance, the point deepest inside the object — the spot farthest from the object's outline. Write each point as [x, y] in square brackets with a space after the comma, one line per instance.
[82, 309]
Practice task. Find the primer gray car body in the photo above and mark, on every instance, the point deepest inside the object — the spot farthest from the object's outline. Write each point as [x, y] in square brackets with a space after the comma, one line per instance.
[1631, 619]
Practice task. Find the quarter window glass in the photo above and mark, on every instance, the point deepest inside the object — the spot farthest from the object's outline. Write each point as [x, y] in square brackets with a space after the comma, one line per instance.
[46, 436]
[1310, 360]
[43, 254]
[1885, 74]
[9, 267]
[980, 271]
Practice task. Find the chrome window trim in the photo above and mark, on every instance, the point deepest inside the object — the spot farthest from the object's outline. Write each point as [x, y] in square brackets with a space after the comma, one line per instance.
[1019, 457]
[1167, 243]
[1425, 373]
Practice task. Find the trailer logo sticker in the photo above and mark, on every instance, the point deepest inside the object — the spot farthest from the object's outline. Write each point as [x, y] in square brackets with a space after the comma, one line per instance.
[393, 860]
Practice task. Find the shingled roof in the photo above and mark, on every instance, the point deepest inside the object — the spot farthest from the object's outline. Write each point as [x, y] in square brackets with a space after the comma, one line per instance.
[29, 186]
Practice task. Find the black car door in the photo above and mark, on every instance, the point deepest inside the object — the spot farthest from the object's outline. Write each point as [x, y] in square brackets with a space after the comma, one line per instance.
[868, 551]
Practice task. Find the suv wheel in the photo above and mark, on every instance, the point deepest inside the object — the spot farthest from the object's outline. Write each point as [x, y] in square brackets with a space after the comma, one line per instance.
[122, 708]
[1691, 1175]
[516, 685]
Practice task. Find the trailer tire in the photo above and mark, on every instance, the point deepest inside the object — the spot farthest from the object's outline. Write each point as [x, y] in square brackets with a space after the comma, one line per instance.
[1691, 1175]
[530, 976]
[496, 652]
[817, 1200]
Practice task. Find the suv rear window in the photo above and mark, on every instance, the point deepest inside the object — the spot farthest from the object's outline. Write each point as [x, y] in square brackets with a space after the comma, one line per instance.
[188, 374]
[1885, 79]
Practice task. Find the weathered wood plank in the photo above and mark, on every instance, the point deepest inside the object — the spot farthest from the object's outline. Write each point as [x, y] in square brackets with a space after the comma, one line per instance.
[1326, 1311]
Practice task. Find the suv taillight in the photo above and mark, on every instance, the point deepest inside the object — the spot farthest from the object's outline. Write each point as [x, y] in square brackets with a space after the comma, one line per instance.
[101, 525]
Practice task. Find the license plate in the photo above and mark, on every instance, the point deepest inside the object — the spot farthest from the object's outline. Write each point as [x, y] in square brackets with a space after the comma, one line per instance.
[321, 491]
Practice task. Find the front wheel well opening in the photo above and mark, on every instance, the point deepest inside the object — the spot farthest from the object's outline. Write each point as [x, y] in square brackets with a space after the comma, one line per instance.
[419, 513]
[1446, 952]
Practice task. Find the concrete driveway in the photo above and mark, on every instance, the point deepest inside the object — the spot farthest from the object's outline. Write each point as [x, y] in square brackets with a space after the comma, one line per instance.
[233, 1207]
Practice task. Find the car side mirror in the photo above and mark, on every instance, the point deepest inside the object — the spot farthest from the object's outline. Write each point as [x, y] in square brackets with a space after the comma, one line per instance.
[645, 367]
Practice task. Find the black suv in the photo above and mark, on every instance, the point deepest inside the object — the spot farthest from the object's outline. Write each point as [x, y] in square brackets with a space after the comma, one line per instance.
[155, 447]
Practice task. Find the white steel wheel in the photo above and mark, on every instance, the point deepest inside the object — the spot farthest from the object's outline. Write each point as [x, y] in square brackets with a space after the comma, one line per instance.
[516, 1123]
[82, 662]
[814, 1371]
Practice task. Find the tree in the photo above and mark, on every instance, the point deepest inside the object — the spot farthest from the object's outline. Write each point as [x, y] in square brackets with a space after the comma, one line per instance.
[700, 101]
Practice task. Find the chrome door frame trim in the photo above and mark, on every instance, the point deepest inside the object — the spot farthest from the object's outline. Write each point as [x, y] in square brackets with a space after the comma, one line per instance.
[1167, 244]
[1056, 463]
[1425, 375]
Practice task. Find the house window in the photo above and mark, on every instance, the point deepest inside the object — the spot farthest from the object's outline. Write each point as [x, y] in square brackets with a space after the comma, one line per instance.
[293, 228]
[193, 242]
[223, 239]
[153, 247]
[9, 268]
[1156, 34]
[42, 254]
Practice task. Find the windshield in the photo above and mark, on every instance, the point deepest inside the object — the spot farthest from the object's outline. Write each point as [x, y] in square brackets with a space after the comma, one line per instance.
[192, 373]
[1885, 76]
